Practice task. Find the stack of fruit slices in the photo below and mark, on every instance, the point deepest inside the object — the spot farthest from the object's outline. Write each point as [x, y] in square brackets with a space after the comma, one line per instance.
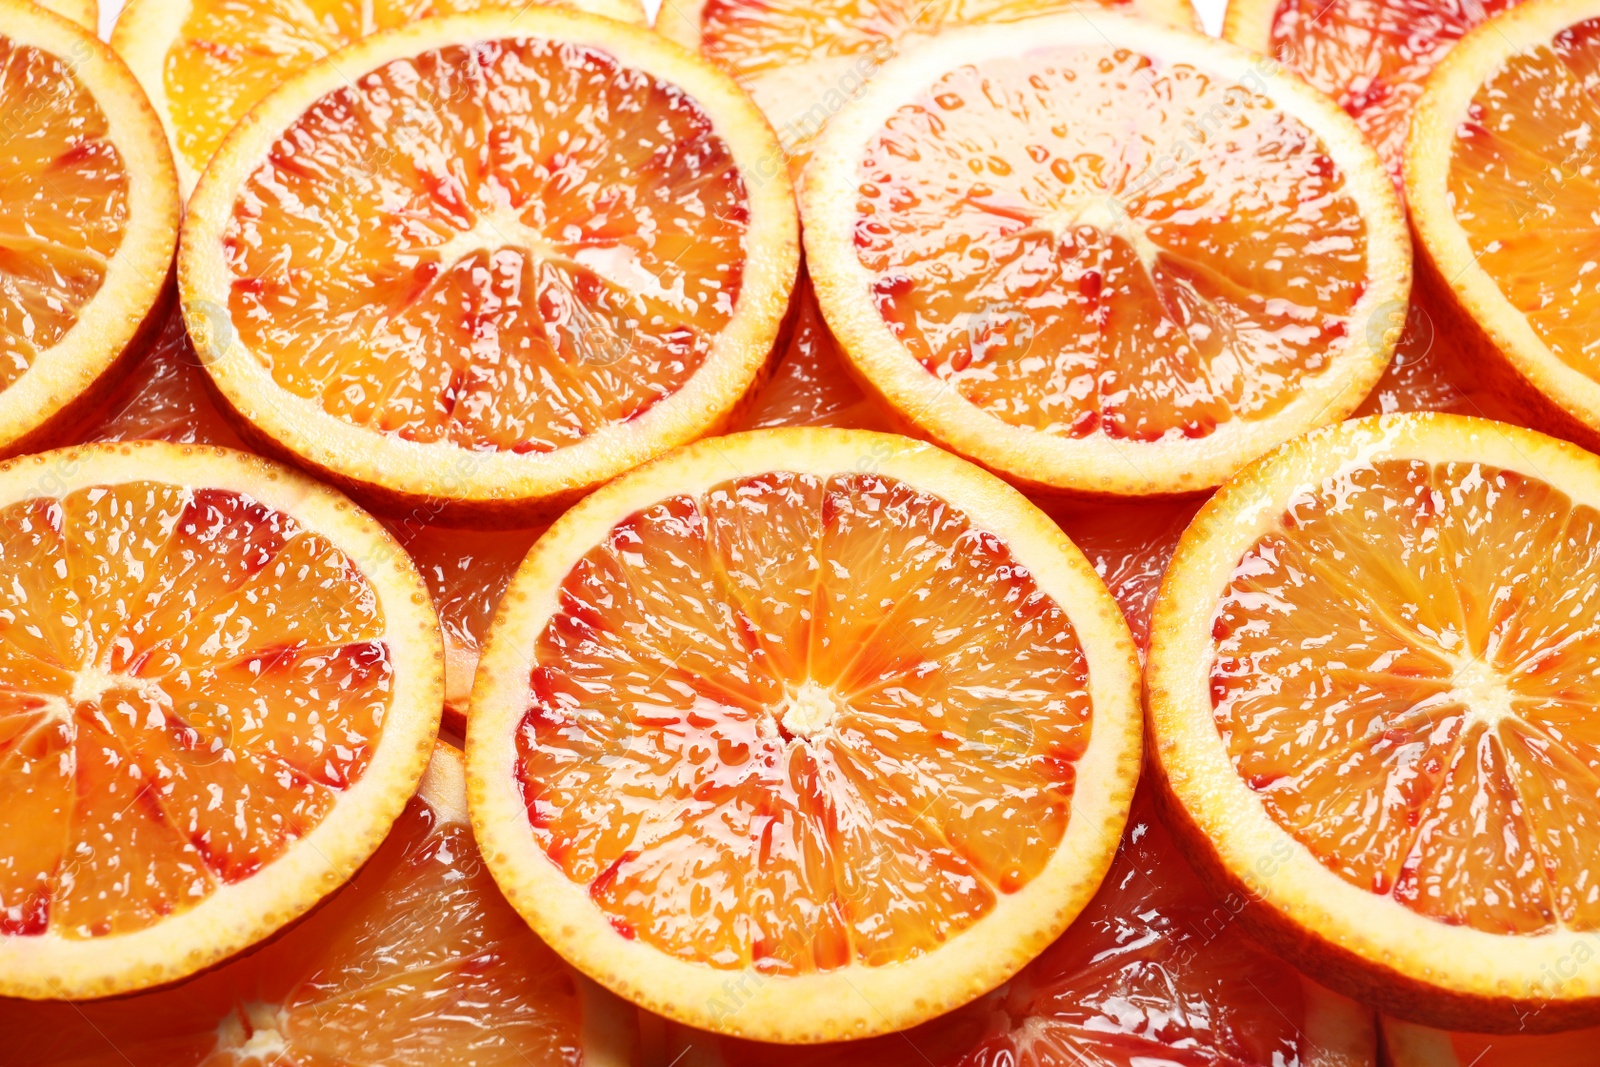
[792, 736]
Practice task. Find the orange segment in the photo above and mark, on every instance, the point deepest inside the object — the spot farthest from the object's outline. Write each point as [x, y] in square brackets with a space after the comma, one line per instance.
[1397, 645]
[88, 220]
[1152, 972]
[1037, 253]
[208, 702]
[495, 295]
[418, 956]
[207, 64]
[1370, 57]
[804, 61]
[753, 714]
[1496, 189]
[1409, 1045]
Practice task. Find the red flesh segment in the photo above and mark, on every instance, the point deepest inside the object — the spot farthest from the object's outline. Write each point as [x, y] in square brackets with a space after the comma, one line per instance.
[1407, 653]
[1152, 974]
[571, 244]
[1373, 55]
[418, 953]
[1099, 290]
[748, 736]
[186, 673]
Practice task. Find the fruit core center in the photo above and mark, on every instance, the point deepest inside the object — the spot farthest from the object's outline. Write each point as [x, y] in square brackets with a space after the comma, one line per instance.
[493, 230]
[89, 684]
[252, 1031]
[1482, 690]
[1108, 215]
[811, 709]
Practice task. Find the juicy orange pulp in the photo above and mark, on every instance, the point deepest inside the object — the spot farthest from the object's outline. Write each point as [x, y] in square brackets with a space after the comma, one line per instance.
[809, 386]
[63, 203]
[1407, 658]
[1575, 1049]
[554, 275]
[1373, 55]
[229, 54]
[789, 766]
[1519, 173]
[147, 628]
[165, 398]
[1152, 972]
[803, 62]
[1076, 290]
[418, 955]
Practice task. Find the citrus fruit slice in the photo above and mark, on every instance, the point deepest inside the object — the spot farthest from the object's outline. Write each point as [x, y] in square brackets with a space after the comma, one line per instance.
[478, 265]
[1372, 56]
[1501, 193]
[206, 63]
[219, 684]
[801, 735]
[803, 61]
[88, 222]
[164, 398]
[1409, 1045]
[1154, 973]
[85, 13]
[1034, 242]
[417, 960]
[810, 386]
[1370, 688]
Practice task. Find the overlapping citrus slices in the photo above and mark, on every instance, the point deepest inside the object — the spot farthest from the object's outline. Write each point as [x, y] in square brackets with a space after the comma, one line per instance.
[1372, 56]
[205, 63]
[478, 265]
[802, 735]
[1103, 256]
[803, 61]
[88, 223]
[1502, 184]
[416, 958]
[219, 684]
[1371, 688]
[1409, 1045]
[1153, 973]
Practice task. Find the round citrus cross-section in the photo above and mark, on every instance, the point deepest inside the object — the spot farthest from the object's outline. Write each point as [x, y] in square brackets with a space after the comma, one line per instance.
[88, 224]
[803, 61]
[219, 685]
[474, 267]
[802, 735]
[1502, 192]
[206, 63]
[1104, 256]
[1371, 690]
[417, 959]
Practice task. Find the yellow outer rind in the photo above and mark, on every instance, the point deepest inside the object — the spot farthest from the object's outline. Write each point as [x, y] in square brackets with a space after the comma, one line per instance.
[1096, 465]
[236, 916]
[85, 13]
[1491, 333]
[1368, 947]
[443, 482]
[147, 29]
[65, 382]
[855, 1001]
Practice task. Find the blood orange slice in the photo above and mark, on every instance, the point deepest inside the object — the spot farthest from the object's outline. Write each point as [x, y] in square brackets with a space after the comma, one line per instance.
[803, 61]
[803, 734]
[219, 683]
[1501, 192]
[88, 222]
[1154, 973]
[206, 63]
[479, 265]
[1409, 1045]
[1030, 242]
[1371, 661]
[417, 960]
